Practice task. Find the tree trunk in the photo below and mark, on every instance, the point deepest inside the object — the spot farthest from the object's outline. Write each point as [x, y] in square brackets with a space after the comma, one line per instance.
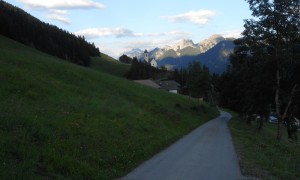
[289, 129]
[277, 102]
[294, 89]
[261, 122]
[284, 115]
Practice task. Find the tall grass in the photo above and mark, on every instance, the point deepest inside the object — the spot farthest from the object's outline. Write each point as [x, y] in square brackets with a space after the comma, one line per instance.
[60, 120]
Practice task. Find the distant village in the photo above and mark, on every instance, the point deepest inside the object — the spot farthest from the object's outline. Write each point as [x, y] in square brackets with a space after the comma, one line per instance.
[168, 85]
[151, 61]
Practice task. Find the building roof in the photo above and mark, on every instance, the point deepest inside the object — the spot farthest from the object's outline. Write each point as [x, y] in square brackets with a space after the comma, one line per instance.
[162, 84]
[145, 51]
[148, 82]
[169, 85]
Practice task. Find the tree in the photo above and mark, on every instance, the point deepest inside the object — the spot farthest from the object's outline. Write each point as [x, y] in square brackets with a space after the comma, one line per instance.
[270, 39]
[125, 59]
[198, 81]
[141, 70]
[134, 71]
[180, 76]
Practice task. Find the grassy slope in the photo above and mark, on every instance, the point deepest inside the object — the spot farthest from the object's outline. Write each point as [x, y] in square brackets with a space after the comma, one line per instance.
[62, 120]
[261, 155]
[109, 65]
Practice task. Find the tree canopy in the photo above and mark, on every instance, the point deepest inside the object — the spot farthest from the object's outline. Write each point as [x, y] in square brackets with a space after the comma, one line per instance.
[125, 59]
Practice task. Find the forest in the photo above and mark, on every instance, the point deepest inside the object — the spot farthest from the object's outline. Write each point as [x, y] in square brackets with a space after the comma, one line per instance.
[21, 26]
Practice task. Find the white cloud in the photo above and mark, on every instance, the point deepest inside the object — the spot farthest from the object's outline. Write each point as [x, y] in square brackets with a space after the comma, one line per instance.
[105, 32]
[60, 18]
[232, 33]
[57, 9]
[114, 52]
[117, 48]
[122, 32]
[150, 43]
[170, 33]
[200, 17]
[62, 4]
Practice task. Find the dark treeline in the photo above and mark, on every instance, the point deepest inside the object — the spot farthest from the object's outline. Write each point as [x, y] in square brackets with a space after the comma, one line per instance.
[21, 26]
[264, 75]
[125, 59]
[195, 81]
[143, 70]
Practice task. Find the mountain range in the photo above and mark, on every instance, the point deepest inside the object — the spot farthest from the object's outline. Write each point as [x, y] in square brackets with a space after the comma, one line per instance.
[212, 52]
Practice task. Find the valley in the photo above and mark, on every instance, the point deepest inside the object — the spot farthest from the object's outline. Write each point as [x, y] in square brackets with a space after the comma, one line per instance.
[70, 110]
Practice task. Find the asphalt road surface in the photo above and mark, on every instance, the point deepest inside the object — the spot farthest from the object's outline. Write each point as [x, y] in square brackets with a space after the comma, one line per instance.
[206, 153]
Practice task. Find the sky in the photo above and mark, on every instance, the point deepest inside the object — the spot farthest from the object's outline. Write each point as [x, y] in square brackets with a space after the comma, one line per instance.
[117, 26]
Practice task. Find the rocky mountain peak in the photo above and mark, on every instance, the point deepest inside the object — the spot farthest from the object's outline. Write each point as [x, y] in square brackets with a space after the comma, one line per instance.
[181, 48]
[186, 43]
[181, 45]
[207, 44]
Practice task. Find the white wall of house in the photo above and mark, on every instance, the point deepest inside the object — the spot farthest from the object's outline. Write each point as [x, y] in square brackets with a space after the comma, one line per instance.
[153, 63]
[173, 91]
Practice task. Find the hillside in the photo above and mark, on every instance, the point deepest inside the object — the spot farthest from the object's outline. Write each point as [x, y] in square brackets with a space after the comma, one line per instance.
[109, 65]
[60, 120]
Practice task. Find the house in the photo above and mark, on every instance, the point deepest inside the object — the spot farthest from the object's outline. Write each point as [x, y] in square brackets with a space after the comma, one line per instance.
[169, 85]
[148, 82]
[153, 63]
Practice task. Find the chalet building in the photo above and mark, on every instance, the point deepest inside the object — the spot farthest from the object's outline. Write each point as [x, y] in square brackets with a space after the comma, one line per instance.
[167, 85]
[148, 82]
[153, 63]
[170, 86]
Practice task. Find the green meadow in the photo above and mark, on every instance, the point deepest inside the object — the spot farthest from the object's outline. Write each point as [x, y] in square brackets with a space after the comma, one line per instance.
[60, 120]
[109, 65]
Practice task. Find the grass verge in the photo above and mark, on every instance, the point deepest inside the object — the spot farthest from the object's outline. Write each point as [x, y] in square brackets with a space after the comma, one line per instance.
[261, 155]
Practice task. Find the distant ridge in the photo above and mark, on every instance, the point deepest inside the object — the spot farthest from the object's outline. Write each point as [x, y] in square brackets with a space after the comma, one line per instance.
[212, 52]
[181, 48]
[22, 27]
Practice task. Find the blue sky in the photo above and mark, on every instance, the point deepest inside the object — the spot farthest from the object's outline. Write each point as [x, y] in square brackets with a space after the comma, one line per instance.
[116, 26]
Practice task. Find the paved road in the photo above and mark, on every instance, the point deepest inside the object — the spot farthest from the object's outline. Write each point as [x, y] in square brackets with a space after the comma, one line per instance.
[206, 153]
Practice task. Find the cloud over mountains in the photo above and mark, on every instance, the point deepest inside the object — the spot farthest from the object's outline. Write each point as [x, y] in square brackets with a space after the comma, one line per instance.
[120, 32]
